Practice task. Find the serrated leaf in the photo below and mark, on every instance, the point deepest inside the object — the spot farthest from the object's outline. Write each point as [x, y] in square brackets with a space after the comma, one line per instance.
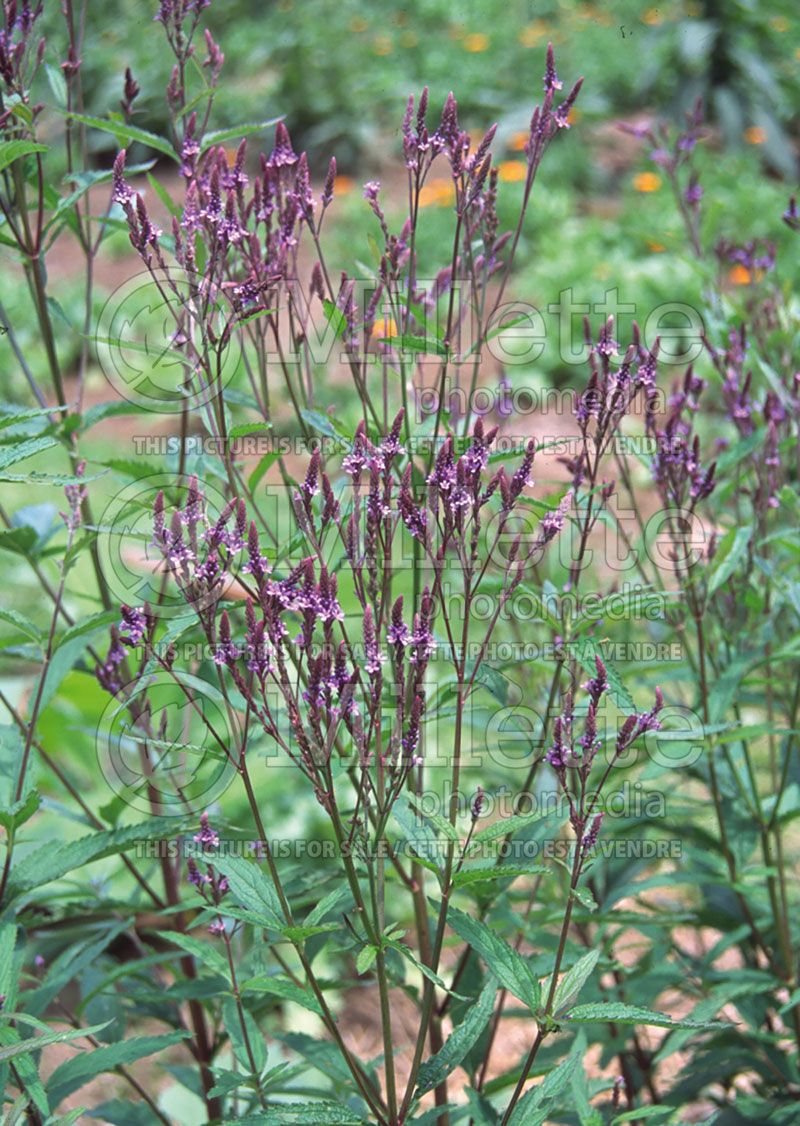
[505, 827]
[202, 950]
[460, 1042]
[535, 1106]
[502, 960]
[574, 980]
[310, 1113]
[50, 863]
[249, 886]
[482, 873]
[618, 1013]
[418, 833]
[18, 451]
[287, 990]
[326, 904]
[34, 1043]
[642, 1114]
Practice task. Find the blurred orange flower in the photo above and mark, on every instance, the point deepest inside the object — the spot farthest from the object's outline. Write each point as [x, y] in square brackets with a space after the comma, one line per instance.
[437, 193]
[512, 171]
[656, 247]
[476, 42]
[740, 275]
[533, 34]
[385, 328]
[652, 17]
[382, 45]
[518, 141]
[755, 135]
[646, 182]
[343, 184]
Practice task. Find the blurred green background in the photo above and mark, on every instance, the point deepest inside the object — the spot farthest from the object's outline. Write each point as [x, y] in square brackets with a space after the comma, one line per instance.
[341, 72]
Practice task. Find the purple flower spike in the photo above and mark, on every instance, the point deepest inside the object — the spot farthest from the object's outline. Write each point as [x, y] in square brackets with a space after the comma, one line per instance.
[207, 837]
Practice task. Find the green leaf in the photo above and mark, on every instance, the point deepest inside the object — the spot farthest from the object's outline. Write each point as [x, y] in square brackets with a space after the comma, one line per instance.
[482, 873]
[121, 1112]
[426, 971]
[327, 904]
[58, 84]
[742, 448]
[34, 1043]
[10, 455]
[336, 318]
[58, 858]
[19, 541]
[574, 980]
[460, 1042]
[13, 150]
[418, 833]
[639, 1114]
[66, 966]
[322, 1055]
[730, 551]
[300, 1114]
[618, 1013]
[24, 625]
[324, 424]
[366, 956]
[244, 1047]
[250, 887]
[236, 132]
[502, 960]
[535, 1106]
[420, 344]
[202, 950]
[505, 827]
[74, 1073]
[125, 133]
[18, 812]
[278, 986]
[264, 464]
[70, 646]
[27, 1071]
[11, 414]
[242, 429]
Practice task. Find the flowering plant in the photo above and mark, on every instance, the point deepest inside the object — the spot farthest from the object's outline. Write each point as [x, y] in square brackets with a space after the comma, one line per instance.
[357, 711]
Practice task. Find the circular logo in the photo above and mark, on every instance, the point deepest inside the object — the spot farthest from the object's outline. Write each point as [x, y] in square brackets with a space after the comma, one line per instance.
[138, 569]
[168, 746]
[163, 340]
